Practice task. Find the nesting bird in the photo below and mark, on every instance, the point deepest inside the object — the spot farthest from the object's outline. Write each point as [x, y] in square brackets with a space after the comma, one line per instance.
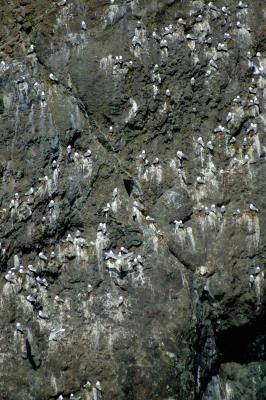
[253, 208]
[53, 77]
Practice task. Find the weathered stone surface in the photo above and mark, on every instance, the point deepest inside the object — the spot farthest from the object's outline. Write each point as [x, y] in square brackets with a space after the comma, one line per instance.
[158, 292]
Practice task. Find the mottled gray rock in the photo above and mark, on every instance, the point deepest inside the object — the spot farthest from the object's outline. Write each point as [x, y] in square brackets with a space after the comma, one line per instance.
[178, 312]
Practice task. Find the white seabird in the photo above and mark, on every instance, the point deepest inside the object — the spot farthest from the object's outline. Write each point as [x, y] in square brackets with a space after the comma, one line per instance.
[136, 42]
[223, 209]
[89, 288]
[42, 256]
[19, 327]
[251, 279]
[31, 49]
[53, 77]
[200, 142]
[106, 209]
[55, 332]
[213, 208]
[222, 47]
[163, 44]
[245, 160]
[178, 224]
[156, 37]
[213, 64]
[253, 208]
[241, 5]
[87, 154]
[209, 145]
[83, 25]
[180, 155]
[29, 192]
[115, 193]
[120, 300]
[200, 180]
[252, 128]
[102, 227]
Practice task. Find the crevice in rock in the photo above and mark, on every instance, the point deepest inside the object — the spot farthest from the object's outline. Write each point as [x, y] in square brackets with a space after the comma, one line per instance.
[240, 345]
[129, 186]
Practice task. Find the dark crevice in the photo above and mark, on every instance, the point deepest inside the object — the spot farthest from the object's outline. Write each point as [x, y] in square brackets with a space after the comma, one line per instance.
[129, 186]
[30, 356]
[240, 345]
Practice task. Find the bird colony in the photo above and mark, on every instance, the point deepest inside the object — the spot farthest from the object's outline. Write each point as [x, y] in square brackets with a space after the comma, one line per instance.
[171, 182]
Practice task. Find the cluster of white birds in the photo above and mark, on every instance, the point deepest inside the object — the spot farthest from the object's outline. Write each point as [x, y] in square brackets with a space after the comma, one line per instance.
[122, 258]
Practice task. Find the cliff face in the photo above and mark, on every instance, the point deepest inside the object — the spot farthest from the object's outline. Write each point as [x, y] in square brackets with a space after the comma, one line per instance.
[132, 230]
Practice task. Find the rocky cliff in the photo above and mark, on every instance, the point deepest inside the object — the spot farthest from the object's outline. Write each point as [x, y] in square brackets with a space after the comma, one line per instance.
[132, 162]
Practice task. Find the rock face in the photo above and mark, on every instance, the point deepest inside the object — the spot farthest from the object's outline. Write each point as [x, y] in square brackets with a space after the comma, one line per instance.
[132, 157]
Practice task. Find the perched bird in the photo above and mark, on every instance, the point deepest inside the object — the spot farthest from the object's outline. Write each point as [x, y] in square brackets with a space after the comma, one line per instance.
[241, 5]
[156, 37]
[213, 64]
[223, 209]
[136, 42]
[87, 154]
[139, 24]
[53, 77]
[199, 18]
[168, 93]
[251, 279]
[43, 96]
[193, 81]
[200, 180]
[89, 288]
[31, 49]
[200, 142]
[106, 209]
[115, 193]
[102, 227]
[42, 256]
[210, 146]
[98, 386]
[120, 300]
[245, 159]
[237, 212]
[163, 44]
[19, 327]
[69, 152]
[29, 192]
[222, 47]
[213, 208]
[232, 140]
[180, 155]
[178, 224]
[51, 204]
[69, 238]
[83, 25]
[253, 208]
[55, 332]
[252, 128]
